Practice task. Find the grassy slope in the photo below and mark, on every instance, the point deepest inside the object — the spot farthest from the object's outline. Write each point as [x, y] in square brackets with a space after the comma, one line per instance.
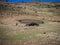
[26, 12]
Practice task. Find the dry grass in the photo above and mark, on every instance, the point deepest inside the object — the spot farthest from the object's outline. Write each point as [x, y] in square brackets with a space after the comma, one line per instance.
[45, 34]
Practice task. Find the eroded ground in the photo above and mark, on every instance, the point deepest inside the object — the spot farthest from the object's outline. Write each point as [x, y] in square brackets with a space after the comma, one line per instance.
[47, 33]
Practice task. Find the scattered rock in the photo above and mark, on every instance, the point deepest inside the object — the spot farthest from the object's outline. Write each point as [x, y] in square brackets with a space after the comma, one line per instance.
[16, 24]
[44, 33]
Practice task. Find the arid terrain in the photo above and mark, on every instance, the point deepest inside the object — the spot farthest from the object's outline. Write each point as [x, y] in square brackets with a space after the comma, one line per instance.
[15, 17]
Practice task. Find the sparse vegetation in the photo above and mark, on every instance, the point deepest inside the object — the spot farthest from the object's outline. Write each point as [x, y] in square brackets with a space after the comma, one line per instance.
[13, 20]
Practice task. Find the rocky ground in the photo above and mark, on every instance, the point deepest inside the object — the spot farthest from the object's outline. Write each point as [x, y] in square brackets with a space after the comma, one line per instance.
[14, 17]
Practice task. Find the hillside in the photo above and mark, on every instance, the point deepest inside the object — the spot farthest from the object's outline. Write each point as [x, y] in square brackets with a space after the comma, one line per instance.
[15, 17]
